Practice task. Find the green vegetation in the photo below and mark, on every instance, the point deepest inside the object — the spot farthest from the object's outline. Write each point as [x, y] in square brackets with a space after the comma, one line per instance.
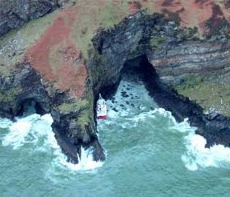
[73, 106]
[14, 44]
[191, 81]
[85, 28]
[100, 70]
[9, 95]
[157, 41]
[209, 94]
[84, 119]
[86, 116]
[108, 16]
[83, 108]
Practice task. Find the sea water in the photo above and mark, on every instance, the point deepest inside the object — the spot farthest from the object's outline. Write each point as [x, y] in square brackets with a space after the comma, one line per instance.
[148, 154]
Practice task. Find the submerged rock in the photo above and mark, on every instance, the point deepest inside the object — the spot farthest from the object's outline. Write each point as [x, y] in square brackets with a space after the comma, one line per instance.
[163, 67]
[54, 67]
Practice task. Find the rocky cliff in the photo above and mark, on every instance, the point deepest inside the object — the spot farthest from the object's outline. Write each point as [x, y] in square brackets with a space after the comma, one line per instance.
[51, 64]
[13, 14]
[167, 56]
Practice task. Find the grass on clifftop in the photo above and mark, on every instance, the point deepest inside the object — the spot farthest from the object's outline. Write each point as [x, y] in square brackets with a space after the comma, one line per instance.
[210, 95]
[14, 44]
[92, 15]
[90, 18]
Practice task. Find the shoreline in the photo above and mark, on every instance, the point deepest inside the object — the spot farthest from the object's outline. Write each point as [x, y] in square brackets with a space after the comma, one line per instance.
[213, 127]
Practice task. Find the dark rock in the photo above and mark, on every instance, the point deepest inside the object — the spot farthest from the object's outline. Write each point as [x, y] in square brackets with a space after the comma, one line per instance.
[15, 13]
[19, 87]
[128, 46]
[115, 109]
[131, 45]
[98, 151]
[124, 94]
[68, 148]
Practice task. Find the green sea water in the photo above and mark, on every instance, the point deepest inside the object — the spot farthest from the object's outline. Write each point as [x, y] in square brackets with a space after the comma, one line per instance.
[149, 154]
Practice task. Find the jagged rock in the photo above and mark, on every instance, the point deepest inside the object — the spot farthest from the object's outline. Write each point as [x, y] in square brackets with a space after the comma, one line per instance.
[172, 59]
[15, 13]
[179, 60]
[54, 72]
[21, 85]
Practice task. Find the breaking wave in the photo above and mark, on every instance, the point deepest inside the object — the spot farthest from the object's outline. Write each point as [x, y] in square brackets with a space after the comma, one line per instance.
[197, 156]
[130, 110]
[127, 110]
[34, 133]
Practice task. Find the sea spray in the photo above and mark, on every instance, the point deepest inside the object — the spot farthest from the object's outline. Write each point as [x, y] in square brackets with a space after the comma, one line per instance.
[5, 123]
[33, 129]
[34, 133]
[127, 108]
[198, 156]
[145, 150]
[86, 162]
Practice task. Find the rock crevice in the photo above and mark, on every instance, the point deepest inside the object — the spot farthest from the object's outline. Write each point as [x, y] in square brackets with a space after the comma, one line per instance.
[15, 13]
[170, 59]
[166, 54]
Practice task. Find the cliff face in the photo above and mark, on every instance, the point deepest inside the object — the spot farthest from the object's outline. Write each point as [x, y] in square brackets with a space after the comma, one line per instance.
[16, 91]
[45, 69]
[15, 13]
[178, 60]
[146, 39]
[73, 116]
[51, 64]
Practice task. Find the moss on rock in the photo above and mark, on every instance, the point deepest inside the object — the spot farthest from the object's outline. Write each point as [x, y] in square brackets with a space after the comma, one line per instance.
[210, 94]
[9, 95]
[157, 41]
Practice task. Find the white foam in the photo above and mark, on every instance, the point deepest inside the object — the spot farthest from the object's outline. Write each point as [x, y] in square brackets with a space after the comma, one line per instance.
[130, 99]
[19, 132]
[36, 131]
[86, 162]
[183, 127]
[197, 156]
[5, 123]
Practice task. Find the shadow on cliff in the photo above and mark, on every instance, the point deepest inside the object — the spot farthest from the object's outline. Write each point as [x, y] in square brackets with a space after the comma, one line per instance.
[30, 106]
[214, 127]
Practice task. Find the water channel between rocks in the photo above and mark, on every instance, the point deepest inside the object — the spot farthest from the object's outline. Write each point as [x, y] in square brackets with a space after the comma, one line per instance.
[148, 154]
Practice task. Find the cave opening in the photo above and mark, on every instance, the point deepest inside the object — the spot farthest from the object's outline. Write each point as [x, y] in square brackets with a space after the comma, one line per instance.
[29, 106]
[140, 69]
[181, 107]
[137, 69]
[165, 96]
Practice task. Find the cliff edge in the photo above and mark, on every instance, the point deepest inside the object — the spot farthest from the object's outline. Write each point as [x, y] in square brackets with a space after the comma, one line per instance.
[52, 64]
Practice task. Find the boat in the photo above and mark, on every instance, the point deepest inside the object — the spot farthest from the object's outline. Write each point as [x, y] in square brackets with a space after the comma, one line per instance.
[101, 108]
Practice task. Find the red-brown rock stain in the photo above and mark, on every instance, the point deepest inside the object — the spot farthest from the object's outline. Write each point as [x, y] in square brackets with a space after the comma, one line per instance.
[134, 6]
[72, 73]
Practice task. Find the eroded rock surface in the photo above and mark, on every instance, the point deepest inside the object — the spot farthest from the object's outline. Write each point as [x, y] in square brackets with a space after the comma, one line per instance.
[173, 56]
[57, 68]
[15, 13]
